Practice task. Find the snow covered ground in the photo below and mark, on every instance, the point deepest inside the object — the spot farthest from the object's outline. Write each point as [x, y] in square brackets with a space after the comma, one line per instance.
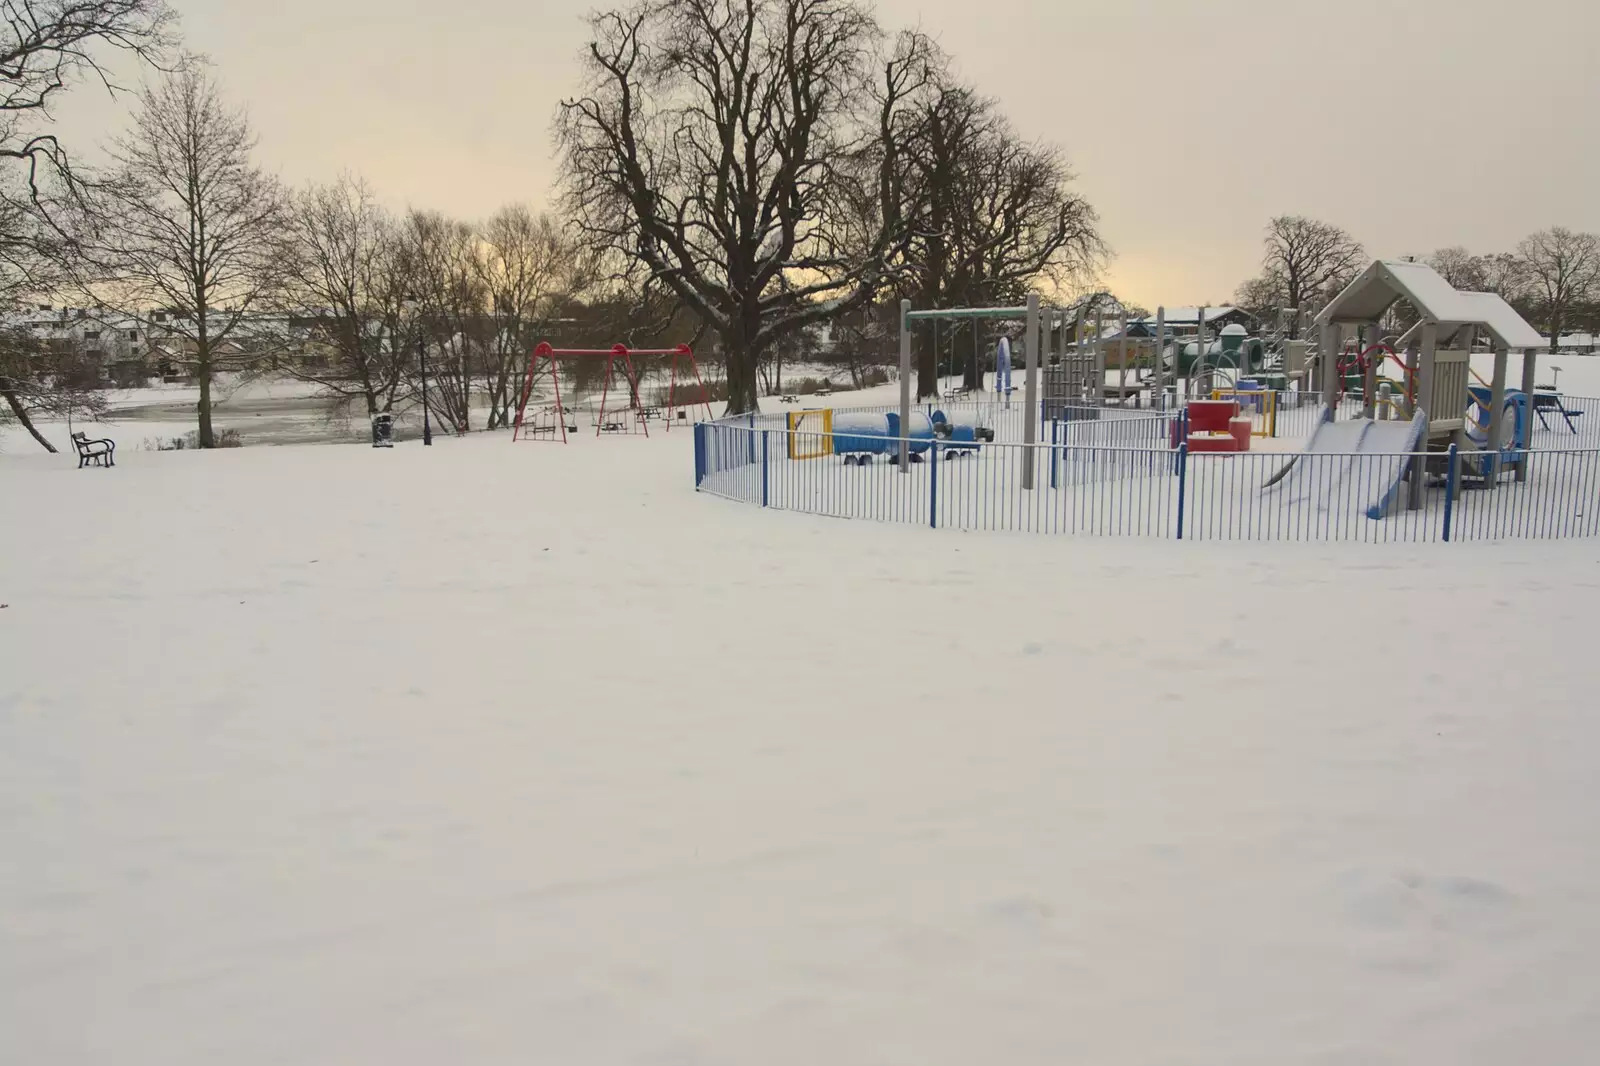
[523, 753]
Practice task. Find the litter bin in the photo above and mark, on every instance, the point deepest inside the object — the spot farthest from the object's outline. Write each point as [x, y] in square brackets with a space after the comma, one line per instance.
[383, 430]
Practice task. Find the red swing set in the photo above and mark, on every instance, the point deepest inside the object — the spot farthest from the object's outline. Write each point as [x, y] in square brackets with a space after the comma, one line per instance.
[552, 421]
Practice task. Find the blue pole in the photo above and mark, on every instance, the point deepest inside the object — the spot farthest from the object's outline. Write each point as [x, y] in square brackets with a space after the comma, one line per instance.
[763, 468]
[1055, 454]
[699, 454]
[1450, 482]
[933, 486]
[1183, 481]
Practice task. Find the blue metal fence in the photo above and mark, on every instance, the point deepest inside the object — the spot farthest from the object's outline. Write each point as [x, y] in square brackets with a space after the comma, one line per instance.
[1151, 490]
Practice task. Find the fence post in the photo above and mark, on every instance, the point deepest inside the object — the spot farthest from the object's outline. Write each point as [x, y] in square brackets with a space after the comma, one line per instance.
[1183, 481]
[699, 454]
[1450, 490]
[1055, 453]
[764, 435]
[933, 486]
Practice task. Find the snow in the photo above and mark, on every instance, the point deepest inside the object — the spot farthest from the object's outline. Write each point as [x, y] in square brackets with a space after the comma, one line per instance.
[527, 753]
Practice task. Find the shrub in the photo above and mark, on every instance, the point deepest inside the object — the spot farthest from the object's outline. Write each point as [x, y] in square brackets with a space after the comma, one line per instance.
[190, 441]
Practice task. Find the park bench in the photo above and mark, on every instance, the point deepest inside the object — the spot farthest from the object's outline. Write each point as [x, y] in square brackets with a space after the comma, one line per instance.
[101, 452]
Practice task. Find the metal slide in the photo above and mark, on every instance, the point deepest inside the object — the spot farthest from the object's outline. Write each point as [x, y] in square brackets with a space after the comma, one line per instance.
[1348, 474]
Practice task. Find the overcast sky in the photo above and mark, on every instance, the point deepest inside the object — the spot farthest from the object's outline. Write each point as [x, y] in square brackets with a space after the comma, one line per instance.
[1413, 123]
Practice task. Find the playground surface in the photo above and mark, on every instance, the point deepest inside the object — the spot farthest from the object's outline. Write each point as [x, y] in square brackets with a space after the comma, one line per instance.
[495, 753]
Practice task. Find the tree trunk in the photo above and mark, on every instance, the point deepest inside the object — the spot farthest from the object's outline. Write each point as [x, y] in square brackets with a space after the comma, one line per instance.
[974, 376]
[743, 390]
[927, 362]
[1555, 331]
[207, 437]
[21, 412]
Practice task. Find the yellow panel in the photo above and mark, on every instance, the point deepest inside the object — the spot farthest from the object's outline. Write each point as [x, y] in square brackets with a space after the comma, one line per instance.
[810, 434]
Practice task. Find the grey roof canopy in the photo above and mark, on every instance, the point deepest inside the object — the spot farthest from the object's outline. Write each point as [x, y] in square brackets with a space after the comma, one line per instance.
[1377, 288]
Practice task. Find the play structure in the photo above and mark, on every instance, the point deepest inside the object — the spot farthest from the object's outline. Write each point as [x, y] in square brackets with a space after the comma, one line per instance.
[1216, 425]
[1380, 429]
[859, 436]
[622, 407]
[1433, 358]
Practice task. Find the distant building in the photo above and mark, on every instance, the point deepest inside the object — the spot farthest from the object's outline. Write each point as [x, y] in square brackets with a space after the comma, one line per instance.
[1186, 320]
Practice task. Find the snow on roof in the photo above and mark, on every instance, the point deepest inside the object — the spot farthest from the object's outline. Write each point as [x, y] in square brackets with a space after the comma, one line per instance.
[1191, 314]
[1509, 329]
[1377, 288]
[1380, 285]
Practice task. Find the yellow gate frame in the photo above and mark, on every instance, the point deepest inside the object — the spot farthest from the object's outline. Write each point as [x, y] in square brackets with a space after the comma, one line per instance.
[1263, 402]
[810, 434]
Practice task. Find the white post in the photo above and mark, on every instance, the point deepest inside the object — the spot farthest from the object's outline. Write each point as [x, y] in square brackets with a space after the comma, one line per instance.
[1077, 361]
[1425, 376]
[1099, 382]
[905, 386]
[1369, 380]
[1161, 366]
[1497, 403]
[1030, 416]
[1122, 371]
[1530, 360]
[1327, 338]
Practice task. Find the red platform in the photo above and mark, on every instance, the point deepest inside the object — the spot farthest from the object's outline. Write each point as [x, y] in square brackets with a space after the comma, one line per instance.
[1213, 442]
[1212, 416]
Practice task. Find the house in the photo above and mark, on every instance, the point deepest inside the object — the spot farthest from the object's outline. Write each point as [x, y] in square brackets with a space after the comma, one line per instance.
[1182, 321]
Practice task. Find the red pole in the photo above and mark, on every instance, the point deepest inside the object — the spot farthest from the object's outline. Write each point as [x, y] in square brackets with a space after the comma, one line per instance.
[705, 397]
[555, 376]
[527, 386]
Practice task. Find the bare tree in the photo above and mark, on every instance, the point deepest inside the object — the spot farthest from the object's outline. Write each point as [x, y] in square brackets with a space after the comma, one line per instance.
[994, 215]
[453, 303]
[51, 380]
[528, 267]
[1459, 267]
[349, 281]
[1563, 268]
[1505, 274]
[194, 226]
[47, 47]
[714, 140]
[1304, 261]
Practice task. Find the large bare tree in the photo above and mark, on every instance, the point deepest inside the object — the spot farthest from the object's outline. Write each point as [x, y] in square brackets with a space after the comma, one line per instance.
[350, 279]
[714, 140]
[194, 226]
[48, 47]
[1000, 216]
[1304, 262]
[1563, 270]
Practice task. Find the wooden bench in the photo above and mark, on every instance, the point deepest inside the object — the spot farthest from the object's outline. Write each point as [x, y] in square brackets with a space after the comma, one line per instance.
[102, 452]
[788, 397]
